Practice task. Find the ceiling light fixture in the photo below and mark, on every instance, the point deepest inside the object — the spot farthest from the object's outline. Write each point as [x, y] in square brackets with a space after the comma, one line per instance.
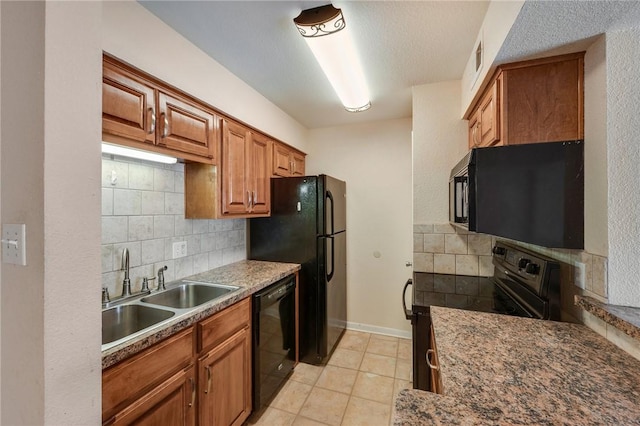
[136, 153]
[326, 34]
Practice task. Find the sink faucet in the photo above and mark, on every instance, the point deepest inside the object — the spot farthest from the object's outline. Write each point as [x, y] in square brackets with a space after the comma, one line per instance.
[126, 283]
[161, 278]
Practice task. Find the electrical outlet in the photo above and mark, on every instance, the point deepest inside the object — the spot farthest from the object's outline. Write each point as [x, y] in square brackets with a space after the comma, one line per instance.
[179, 249]
[580, 275]
[14, 249]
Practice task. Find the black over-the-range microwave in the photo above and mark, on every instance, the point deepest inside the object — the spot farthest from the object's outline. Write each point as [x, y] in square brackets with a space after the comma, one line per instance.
[532, 193]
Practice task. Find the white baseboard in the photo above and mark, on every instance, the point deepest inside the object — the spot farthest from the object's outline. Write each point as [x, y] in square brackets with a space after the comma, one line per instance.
[378, 330]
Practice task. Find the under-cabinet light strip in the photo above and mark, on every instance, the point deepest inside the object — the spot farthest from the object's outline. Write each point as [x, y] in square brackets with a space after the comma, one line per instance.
[136, 153]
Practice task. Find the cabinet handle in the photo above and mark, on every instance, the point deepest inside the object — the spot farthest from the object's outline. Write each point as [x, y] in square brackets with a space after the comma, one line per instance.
[253, 199]
[152, 130]
[193, 391]
[431, 366]
[248, 200]
[208, 380]
[165, 130]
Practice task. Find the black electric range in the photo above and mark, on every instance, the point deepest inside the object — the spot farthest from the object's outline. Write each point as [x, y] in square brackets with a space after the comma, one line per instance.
[524, 284]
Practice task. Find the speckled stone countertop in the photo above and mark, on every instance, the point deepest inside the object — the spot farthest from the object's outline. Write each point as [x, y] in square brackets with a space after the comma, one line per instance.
[250, 275]
[624, 318]
[498, 369]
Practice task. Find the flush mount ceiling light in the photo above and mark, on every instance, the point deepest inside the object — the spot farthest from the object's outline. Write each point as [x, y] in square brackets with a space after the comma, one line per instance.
[136, 153]
[326, 34]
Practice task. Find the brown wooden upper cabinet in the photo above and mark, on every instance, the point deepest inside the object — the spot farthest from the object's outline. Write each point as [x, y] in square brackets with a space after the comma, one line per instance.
[245, 171]
[287, 161]
[141, 112]
[530, 102]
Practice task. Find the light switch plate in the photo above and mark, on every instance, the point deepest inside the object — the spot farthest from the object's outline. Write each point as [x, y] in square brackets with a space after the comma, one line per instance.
[179, 249]
[14, 244]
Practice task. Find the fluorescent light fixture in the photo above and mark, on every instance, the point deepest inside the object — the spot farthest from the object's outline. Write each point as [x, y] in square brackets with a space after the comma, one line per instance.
[107, 148]
[326, 34]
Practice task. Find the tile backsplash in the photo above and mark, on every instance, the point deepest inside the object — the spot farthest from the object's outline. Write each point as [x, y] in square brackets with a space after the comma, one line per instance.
[143, 210]
[445, 249]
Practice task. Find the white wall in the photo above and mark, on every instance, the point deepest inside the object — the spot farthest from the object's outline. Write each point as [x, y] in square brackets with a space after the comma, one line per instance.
[595, 149]
[135, 35]
[51, 342]
[497, 23]
[623, 154]
[439, 142]
[375, 161]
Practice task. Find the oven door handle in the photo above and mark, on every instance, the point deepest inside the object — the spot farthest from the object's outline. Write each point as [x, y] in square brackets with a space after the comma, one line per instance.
[407, 312]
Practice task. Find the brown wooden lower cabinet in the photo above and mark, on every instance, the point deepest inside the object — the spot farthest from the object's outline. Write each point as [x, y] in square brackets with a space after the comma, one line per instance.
[224, 375]
[171, 403]
[434, 365]
[200, 374]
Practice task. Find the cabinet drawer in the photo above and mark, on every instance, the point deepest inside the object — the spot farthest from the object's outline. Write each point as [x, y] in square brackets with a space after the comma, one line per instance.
[224, 324]
[128, 380]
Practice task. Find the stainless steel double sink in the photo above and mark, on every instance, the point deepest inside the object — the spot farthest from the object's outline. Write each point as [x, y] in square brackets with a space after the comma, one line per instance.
[151, 310]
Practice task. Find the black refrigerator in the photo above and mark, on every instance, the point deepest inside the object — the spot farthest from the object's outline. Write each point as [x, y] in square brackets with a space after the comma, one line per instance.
[308, 226]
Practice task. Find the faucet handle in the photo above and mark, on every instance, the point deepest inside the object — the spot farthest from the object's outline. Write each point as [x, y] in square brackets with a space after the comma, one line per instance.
[105, 295]
[145, 283]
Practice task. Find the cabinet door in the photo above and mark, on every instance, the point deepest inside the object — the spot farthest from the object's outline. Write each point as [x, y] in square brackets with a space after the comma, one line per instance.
[434, 367]
[474, 129]
[489, 131]
[544, 102]
[281, 160]
[235, 193]
[128, 105]
[225, 382]
[258, 173]
[297, 160]
[171, 403]
[185, 126]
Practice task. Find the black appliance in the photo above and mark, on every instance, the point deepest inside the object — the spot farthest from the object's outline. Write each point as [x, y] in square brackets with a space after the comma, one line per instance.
[274, 343]
[532, 193]
[524, 284]
[308, 226]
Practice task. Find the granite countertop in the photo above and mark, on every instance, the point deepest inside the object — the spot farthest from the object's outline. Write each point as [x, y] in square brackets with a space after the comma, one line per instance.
[624, 318]
[250, 275]
[499, 369]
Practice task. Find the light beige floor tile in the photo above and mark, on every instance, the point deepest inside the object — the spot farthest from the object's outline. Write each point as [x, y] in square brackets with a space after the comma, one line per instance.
[273, 416]
[374, 387]
[354, 341]
[366, 413]
[346, 358]
[378, 364]
[337, 379]
[386, 347]
[404, 349]
[325, 406]
[303, 421]
[399, 384]
[306, 373]
[291, 397]
[404, 370]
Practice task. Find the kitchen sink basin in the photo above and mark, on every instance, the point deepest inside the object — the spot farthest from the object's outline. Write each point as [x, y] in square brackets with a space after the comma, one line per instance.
[125, 320]
[189, 295]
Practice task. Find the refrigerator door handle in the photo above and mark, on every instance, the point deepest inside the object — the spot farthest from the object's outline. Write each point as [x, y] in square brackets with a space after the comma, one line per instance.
[332, 261]
[329, 196]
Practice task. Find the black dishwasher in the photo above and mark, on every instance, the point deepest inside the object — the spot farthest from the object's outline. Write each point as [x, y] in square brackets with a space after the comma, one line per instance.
[274, 342]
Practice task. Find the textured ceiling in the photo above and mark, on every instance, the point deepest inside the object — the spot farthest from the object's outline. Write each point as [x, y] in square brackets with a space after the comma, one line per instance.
[545, 28]
[401, 44]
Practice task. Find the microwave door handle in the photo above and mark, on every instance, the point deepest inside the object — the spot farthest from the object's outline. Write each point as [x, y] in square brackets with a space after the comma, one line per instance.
[407, 312]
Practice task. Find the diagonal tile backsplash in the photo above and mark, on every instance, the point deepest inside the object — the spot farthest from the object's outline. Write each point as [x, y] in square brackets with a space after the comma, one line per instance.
[143, 210]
